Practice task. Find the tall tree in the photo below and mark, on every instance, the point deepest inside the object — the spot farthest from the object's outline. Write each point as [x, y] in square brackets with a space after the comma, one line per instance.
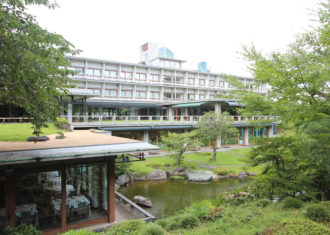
[178, 143]
[212, 126]
[32, 74]
[300, 79]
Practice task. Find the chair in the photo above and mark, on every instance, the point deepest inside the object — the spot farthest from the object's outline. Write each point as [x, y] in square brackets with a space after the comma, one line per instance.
[82, 208]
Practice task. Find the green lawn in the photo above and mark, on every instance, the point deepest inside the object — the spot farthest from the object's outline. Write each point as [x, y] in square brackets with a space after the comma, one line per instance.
[233, 161]
[21, 131]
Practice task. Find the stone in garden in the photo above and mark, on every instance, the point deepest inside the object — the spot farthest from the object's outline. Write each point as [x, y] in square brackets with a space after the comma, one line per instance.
[242, 175]
[200, 176]
[122, 179]
[209, 167]
[179, 169]
[157, 175]
[253, 174]
[38, 138]
[142, 201]
[140, 178]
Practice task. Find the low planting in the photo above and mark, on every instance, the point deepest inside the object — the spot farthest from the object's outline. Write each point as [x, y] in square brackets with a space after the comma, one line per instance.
[291, 202]
[318, 212]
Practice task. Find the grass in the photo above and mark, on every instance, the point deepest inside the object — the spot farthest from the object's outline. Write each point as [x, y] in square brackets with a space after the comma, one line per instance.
[235, 163]
[21, 131]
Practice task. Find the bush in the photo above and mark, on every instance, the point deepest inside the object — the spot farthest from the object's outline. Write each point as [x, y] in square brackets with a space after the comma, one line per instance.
[221, 171]
[297, 226]
[199, 209]
[173, 223]
[188, 221]
[61, 123]
[80, 232]
[291, 202]
[131, 227]
[214, 213]
[317, 212]
[152, 229]
[21, 229]
[263, 202]
[162, 222]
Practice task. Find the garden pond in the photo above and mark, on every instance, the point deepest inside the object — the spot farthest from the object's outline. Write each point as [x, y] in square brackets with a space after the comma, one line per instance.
[169, 196]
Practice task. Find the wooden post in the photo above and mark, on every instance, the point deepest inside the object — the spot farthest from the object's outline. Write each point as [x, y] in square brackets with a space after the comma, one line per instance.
[63, 198]
[10, 201]
[111, 190]
[157, 137]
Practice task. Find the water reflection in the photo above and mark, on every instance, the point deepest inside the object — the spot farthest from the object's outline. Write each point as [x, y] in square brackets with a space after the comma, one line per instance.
[170, 196]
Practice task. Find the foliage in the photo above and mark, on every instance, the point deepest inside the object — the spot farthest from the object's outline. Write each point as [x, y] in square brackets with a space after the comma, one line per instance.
[221, 171]
[131, 227]
[188, 221]
[152, 229]
[32, 59]
[200, 209]
[178, 143]
[317, 212]
[122, 168]
[300, 79]
[263, 202]
[234, 198]
[291, 202]
[61, 123]
[162, 222]
[79, 232]
[212, 126]
[297, 226]
[21, 229]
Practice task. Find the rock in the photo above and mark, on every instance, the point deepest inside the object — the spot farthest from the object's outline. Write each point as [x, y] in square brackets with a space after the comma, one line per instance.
[209, 167]
[38, 138]
[117, 186]
[200, 176]
[242, 175]
[142, 201]
[253, 174]
[179, 169]
[220, 177]
[140, 178]
[157, 175]
[122, 179]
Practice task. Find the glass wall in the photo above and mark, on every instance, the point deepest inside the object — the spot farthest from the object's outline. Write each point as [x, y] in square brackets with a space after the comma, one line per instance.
[38, 199]
[87, 194]
[2, 203]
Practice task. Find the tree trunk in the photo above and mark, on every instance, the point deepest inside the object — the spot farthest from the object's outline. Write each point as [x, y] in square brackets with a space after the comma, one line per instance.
[214, 151]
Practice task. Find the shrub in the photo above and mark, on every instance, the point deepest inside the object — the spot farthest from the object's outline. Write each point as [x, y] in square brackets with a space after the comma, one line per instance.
[297, 226]
[21, 229]
[131, 227]
[80, 232]
[152, 229]
[61, 123]
[162, 222]
[263, 202]
[214, 213]
[188, 221]
[199, 209]
[317, 212]
[291, 202]
[173, 223]
[221, 171]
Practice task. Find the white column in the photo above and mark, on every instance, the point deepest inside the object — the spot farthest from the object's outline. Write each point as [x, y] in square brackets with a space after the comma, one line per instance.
[219, 143]
[245, 136]
[70, 113]
[269, 131]
[217, 108]
[146, 136]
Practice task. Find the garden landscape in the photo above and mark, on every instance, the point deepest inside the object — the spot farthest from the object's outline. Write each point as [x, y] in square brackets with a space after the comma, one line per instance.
[91, 146]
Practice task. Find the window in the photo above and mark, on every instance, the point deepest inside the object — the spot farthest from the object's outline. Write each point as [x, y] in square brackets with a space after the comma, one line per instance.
[93, 72]
[211, 96]
[179, 80]
[202, 97]
[167, 96]
[221, 84]
[110, 74]
[96, 91]
[201, 82]
[167, 79]
[191, 96]
[77, 70]
[191, 81]
[126, 75]
[140, 94]
[179, 96]
[154, 95]
[126, 93]
[154, 78]
[140, 76]
[211, 83]
[111, 93]
[230, 85]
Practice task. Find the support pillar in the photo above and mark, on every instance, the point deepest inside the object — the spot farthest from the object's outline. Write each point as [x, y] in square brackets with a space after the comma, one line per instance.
[10, 201]
[63, 198]
[269, 131]
[245, 136]
[146, 136]
[217, 108]
[111, 191]
[219, 143]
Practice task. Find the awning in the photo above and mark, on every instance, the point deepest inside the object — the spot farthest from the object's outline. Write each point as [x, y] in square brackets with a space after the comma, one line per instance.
[234, 103]
[188, 105]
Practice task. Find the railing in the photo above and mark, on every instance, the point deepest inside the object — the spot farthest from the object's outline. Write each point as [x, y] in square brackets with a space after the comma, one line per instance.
[123, 199]
[4, 120]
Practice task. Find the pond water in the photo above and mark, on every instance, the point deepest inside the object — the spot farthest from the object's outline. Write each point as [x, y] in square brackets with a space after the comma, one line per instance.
[169, 196]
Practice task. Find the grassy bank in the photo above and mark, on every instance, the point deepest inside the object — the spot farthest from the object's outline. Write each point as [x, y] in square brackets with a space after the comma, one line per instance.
[234, 160]
[21, 131]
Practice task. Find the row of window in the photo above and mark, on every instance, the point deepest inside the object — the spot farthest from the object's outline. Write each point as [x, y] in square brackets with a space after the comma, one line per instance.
[143, 94]
[143, 77]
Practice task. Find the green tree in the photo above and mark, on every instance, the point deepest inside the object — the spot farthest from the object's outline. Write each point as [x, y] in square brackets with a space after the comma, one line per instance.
[178, 143]
[212, 126]
[32, 62]
[300, 79]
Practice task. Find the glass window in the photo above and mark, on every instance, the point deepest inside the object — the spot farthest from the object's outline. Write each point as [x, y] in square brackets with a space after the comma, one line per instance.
[167, 79]
[230, 85]
[140, 76]
[221, 83]
[179, 96]
[202, 97]
[112, 93]
[126, 93]
[211, 83]
[179, 80]
[96, 91]
[191, 96]
[154, 95]
[89, 72]
[126, 75]
[93, 72]
[140, 94]
[201, 82]
[38, 199]
[79, 70]
[191, 81]
[211, 96]
[154, 78]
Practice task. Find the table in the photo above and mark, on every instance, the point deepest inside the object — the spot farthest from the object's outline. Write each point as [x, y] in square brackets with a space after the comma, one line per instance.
[71, 202]
[58, 188]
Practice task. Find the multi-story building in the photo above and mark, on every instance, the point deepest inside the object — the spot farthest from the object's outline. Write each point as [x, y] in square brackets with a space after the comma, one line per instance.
[146, 88]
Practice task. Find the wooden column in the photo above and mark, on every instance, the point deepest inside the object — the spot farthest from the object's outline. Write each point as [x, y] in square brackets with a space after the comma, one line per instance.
[10, 201]
[63, 198]
[111, 190]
